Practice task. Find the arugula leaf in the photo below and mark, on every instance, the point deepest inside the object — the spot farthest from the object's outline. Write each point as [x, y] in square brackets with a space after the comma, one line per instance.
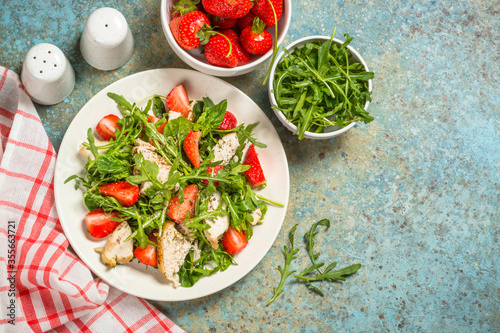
[158, 107]
[309, 238]
[111, 164]
[212, 116]
[285, 270]
[177, 128]
[121, 101]
[327, 274]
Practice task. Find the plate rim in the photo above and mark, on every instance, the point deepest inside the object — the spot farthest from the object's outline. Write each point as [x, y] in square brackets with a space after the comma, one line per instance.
[58, 182]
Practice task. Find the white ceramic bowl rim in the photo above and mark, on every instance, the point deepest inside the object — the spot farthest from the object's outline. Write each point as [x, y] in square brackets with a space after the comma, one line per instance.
[242, 68]
[281, 116]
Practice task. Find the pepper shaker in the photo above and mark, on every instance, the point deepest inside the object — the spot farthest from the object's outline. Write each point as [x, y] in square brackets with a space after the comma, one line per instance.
[107, 42]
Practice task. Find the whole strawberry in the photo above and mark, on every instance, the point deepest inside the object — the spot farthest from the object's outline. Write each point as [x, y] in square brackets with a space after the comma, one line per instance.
[256, 40]
[219, 52]
[263, 9]
[227, 8]
[186, 29]
[222, 22]
[243, 56]
[181, 7]
[246, 21]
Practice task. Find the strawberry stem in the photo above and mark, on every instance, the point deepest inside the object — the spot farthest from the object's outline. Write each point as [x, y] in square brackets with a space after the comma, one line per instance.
[185, 6]
[275, 44]
[230, 44]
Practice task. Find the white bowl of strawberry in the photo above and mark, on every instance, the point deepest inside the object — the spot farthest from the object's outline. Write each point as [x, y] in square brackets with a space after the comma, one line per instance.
[222, 37]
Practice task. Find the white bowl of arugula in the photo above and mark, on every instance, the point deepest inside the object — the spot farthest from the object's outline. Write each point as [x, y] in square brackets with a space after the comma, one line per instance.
[320, 87]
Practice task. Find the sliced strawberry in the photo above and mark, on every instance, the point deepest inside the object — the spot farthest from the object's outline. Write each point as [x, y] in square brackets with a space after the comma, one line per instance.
[176, 210]
[100, 223]
[177, 100]
[263, 9]
[229, 122]
[217, 52]
[148, 255]
[246, 21]
[154, 120]
[242, 55]
[212, 172]
[254, 175]
[107, 126]
[190, 146]
[234, 241]
[126, 193]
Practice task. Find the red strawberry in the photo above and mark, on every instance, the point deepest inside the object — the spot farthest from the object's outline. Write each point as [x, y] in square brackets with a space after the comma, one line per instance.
[186, 29]
[243, 56]
[254, 175]
[246, 21]
[229, 122]
[177, 100]
[255, 39]
[101, 223]
[219, 52]
[126, 193]
[107, 126]
[212, 171]
[190, 146]
[181, 7]
[263, 9]
[227, 8]
[176, 210]
[154, 120]
[148, 255]
[234, 241]
[223, 22]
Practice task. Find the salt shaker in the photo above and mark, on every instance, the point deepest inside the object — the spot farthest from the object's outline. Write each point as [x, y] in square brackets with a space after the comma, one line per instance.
[47, 74]
[107, 42]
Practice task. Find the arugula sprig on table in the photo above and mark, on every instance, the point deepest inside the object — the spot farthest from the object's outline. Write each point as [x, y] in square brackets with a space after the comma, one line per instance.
[307, 275]
[290, 254]
[317, 86]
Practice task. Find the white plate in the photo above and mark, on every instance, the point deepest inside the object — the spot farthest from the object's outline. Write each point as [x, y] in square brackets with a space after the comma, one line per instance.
[134, 278]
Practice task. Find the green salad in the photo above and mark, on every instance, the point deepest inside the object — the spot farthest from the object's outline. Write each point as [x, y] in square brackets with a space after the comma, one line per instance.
[172, 184]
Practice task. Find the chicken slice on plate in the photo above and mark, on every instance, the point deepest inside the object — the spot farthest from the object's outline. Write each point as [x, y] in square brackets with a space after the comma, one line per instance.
[149, 153]
[116, 249]
[171, 252]
[219, 224]
[257, 215]
[225, 148]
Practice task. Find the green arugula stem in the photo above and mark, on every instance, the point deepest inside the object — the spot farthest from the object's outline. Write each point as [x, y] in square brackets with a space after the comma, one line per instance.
[270, 201]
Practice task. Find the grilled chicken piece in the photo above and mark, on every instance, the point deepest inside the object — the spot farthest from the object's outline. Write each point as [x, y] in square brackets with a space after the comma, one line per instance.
[149, 153]
[225, 148]
[173, 115]
[218, 225]
[116, 250]
[171, 252]
[87, 153]
[257, 215]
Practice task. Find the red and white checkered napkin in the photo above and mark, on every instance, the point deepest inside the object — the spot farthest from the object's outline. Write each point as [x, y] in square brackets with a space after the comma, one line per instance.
[43, 286]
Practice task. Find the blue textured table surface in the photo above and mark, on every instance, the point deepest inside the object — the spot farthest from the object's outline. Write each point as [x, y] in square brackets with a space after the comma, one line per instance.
[412, 196]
